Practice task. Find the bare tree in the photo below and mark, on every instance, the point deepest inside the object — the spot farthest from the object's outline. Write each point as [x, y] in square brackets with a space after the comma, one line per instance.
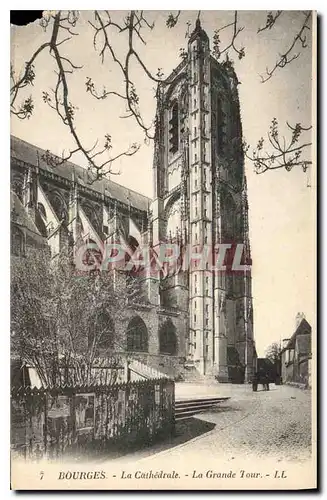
[61, 26]
[298, 41]
[281, 152]
[132, 30]
[61, 320]
[273, 353]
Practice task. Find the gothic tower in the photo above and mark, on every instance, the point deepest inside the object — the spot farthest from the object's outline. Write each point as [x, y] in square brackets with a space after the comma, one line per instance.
[200, 203]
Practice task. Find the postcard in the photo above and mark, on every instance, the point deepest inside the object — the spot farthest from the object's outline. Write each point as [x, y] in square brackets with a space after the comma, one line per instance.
[163, 250]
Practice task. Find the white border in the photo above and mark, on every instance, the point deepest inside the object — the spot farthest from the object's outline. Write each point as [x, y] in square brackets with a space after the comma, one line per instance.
[4, 185]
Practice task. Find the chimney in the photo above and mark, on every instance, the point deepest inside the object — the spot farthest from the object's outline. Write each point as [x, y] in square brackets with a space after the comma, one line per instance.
[298, 318]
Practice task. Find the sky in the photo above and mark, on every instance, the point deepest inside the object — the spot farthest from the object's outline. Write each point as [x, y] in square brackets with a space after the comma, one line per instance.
[281, 204]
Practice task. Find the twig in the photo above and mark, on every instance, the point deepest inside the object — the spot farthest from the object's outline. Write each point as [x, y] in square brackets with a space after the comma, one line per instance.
[288, 57]
[134, 22]
[236, 31]
[61, 104]
[271, 20]
[284, 154]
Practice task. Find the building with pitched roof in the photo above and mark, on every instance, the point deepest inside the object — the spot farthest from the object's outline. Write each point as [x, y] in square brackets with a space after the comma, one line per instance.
[195, 319]
[296, 354]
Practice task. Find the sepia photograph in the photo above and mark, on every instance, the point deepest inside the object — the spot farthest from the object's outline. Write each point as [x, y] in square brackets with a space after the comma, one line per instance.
[163, 219]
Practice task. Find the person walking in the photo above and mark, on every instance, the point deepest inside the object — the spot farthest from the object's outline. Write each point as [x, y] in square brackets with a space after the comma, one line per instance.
[262, 379]
[265, 382]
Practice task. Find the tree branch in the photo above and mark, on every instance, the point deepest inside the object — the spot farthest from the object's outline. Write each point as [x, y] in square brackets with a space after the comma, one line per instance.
[287, 155]
[61, 103]
[270, 21]
[287, 57]
[134, 22]
[217, 51]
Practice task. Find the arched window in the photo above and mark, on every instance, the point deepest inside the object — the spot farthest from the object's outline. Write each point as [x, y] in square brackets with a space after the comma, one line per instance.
[101, 333]
[137, 335]
[174, 223]
[228, 216]
[132, 243]
[91, 214]
[18, 187]
[41, 209]
[218, 123]
[59, 205]
[40, 220]
[167, 338]
[17, 241]
[183, 113]
[92, 255]
[134, 283]
[174, 129]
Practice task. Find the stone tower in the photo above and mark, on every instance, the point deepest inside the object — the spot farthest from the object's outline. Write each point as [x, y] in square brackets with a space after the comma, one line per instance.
[200, 202]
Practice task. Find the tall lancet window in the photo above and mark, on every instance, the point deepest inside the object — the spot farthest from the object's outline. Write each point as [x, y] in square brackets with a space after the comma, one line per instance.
[17, 242]
[174, 221]
[174, 129]
[218, 123]
[183, 114]
[228, 216]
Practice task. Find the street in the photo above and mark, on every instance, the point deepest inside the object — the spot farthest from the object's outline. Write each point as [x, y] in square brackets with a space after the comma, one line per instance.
[253, 440]
[274, 424]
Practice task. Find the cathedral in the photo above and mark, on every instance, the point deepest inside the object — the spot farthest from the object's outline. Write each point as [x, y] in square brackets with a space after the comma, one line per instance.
[195, 323]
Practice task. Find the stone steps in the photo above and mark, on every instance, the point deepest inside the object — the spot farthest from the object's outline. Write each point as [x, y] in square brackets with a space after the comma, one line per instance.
[186, 408]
